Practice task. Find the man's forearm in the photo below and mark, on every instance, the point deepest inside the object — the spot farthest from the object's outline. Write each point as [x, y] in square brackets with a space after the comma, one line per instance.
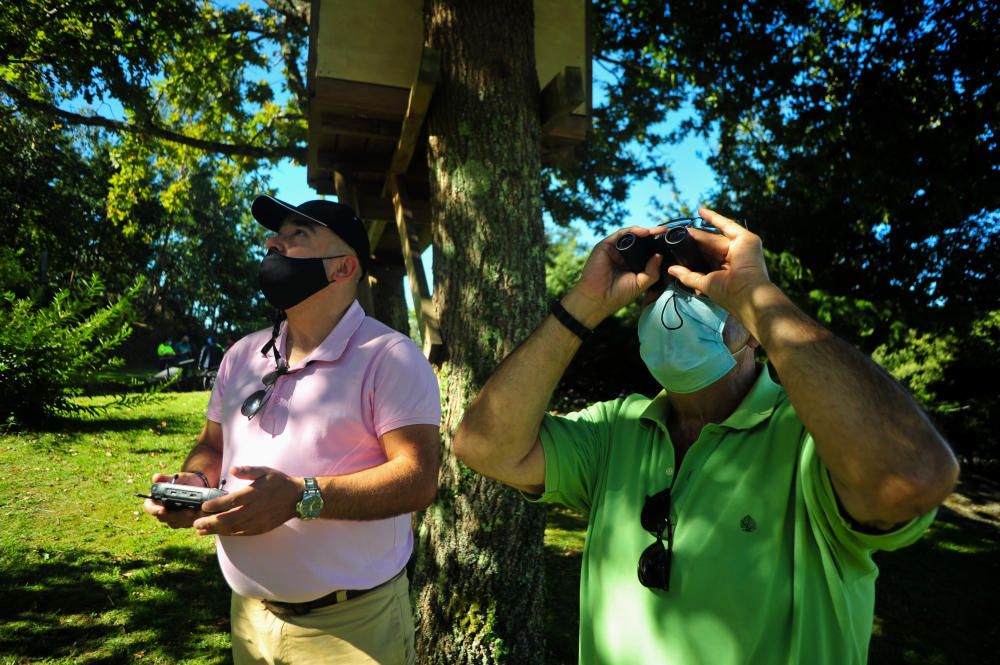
[501, 425]
[887, 460]
[394, 488]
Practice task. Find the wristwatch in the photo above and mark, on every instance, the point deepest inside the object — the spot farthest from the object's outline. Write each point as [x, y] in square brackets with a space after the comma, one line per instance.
[311, 504]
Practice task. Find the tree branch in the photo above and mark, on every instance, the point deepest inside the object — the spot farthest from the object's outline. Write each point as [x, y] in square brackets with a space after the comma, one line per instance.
[291, 10]
[272, 153]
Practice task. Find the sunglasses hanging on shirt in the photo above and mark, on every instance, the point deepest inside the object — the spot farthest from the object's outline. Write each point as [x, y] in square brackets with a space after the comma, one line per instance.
[654, 563]
[256, 401]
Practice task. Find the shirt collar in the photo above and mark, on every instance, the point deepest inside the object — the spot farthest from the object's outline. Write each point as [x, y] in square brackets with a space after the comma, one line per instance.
[331, 348]
[758, 404]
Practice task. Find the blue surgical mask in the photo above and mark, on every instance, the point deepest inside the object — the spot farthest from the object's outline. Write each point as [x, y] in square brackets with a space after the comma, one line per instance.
[680, 340]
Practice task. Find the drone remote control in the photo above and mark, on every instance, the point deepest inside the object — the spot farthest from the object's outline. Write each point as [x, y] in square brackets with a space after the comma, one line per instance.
[176, 497]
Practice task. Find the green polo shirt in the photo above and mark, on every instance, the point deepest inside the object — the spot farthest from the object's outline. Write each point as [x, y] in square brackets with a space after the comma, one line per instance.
[765, 567]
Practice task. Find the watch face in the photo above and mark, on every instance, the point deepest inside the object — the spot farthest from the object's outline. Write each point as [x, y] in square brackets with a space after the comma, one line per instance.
[310, 506]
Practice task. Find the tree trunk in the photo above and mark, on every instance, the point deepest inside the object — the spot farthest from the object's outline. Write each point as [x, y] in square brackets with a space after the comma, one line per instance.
[388, 297]
[479, 579]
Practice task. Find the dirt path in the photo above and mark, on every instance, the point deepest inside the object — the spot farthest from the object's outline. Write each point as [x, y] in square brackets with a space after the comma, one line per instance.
[976, 498]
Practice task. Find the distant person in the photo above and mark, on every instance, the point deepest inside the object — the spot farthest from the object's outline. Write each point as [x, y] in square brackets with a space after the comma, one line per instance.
[165, 353]
[210, 355]
[183, 349]
[732, 520]
[324, 430]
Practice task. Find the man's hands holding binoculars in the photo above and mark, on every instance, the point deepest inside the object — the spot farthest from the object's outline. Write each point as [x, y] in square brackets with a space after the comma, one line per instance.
[735, 255]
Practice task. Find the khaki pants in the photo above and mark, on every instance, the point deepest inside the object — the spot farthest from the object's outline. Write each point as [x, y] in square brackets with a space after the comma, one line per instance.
[376, 628]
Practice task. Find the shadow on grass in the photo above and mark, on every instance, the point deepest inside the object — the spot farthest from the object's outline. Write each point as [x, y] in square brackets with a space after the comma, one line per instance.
[562, 585]
[97, 425]
[80, 606]
[936, 601]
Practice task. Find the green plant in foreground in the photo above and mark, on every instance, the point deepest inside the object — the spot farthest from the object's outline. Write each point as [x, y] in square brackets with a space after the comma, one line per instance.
[49, 354]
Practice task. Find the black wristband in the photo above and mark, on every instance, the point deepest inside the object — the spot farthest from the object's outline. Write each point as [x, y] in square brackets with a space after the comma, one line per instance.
[565, 318]
[203, 477]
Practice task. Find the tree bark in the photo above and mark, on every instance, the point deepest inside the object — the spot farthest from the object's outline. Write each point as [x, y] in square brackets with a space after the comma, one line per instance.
[388, 297]
[479, 578]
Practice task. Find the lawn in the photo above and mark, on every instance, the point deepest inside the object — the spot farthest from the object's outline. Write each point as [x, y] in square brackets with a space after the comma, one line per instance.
[88, 578]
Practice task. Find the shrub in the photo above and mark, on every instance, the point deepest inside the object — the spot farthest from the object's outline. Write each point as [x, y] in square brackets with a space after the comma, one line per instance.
[950, 374]
[49, 354]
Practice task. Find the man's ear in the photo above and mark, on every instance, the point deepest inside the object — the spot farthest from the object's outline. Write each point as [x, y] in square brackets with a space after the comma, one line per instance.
[345, 267]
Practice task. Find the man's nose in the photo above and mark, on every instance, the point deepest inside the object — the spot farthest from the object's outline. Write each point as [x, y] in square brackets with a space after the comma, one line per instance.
[276, 243]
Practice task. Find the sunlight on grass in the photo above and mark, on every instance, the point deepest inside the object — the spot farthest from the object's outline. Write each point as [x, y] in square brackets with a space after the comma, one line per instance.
[564, 536]
[565, 531]
[88, 577]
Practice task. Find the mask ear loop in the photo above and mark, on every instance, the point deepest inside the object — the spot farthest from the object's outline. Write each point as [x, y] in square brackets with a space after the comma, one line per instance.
[335, 256]
[272, 344]
[671, 300]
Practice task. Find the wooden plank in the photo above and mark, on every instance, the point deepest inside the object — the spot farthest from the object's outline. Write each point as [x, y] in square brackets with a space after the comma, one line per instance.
[428, 75]
[560, 96]
[378, 208]
[430, 329]
[343, 125]
[570, 128]
[358, 98]
[347, 194]
[376, 228]
[358, 163]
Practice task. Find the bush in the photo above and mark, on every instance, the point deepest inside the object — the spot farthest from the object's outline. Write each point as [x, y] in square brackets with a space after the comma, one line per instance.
[49, 354]
[950, 374]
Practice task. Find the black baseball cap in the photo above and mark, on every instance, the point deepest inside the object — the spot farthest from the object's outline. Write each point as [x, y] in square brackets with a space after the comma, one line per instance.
[339, 218]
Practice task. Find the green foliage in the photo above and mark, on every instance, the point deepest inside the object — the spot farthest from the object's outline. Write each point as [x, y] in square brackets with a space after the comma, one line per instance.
[859, 137]
[208, 93]
[951, 373]
[920, 364]
[564, 259]
[191, 72]
[49, 354]
[198, 253]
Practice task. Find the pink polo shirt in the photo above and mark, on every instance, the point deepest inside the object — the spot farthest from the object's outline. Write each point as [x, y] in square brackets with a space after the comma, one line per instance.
[324, 418]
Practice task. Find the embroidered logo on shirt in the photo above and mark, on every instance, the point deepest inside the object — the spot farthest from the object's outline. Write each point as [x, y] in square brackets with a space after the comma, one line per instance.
[747, 524]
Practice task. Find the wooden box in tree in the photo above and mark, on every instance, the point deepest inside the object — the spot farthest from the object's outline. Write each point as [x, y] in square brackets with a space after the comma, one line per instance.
[371, 81]
[366, 57]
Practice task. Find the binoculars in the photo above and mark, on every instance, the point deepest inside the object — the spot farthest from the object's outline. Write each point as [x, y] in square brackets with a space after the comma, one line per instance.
[676, 245]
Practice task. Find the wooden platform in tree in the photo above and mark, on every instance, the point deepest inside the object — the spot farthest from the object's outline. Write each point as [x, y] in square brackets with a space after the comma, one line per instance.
[371, 81]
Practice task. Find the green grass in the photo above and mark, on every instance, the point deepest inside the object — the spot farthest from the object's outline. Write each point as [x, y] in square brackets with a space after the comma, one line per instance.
[564, 532]
[88, 578]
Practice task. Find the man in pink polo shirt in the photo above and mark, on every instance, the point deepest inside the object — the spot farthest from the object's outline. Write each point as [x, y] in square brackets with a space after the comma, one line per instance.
[324, 431]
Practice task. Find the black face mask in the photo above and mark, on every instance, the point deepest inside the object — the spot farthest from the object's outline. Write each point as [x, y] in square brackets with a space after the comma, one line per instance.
[286, 281]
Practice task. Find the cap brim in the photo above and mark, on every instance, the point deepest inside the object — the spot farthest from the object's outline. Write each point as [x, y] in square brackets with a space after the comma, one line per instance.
[271, 212]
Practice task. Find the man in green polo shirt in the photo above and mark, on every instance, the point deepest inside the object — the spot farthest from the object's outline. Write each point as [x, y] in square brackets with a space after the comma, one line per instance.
[731, 520]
